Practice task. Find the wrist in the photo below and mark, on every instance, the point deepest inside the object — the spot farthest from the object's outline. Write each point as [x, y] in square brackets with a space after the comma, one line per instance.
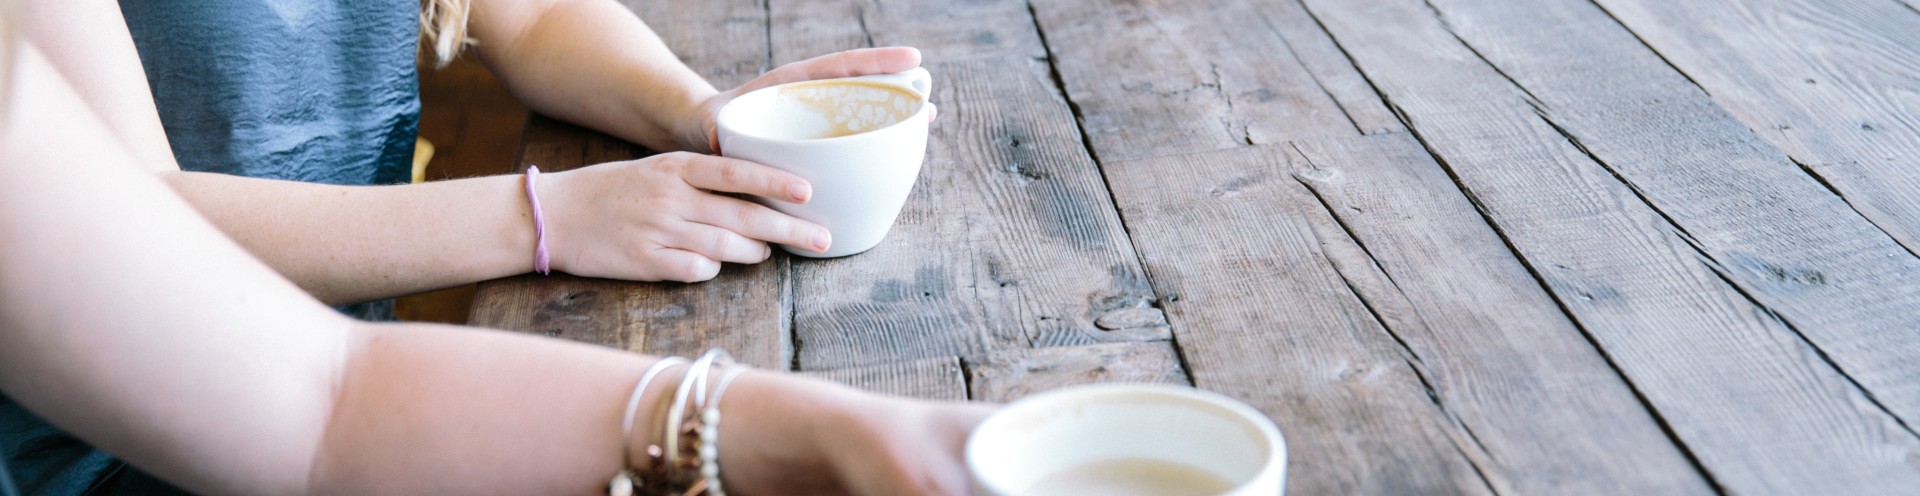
[780, 432]
[693, 127]
[551, 189]
[662, 115]
[646, 432]
[495, 235]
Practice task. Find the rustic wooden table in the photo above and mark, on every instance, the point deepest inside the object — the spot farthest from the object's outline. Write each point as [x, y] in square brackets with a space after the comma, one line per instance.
[1453, 246]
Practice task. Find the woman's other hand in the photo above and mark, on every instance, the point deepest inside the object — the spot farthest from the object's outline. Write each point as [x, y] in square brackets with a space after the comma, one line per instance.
[668, 217]
[700, 132]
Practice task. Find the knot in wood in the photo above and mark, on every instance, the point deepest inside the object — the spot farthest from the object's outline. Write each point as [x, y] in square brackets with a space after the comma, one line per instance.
[1129, 318]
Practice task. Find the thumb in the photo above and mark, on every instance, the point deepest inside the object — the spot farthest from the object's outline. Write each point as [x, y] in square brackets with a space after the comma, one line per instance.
[850, 63]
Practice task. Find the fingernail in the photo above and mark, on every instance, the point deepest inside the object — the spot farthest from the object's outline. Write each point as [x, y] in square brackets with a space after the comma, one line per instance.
[821, 240]
[800, 192]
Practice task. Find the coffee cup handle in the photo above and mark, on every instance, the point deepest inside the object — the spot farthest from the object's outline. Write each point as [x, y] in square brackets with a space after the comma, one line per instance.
[917, 80]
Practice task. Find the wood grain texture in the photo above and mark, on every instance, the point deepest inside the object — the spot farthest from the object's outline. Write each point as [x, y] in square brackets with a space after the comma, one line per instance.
[940, 378]
[744, 310]
[1152, 79]
[1500, 355]
[1010, 375]
[1781, 236]
[1261, 315]
[1009, 239]
[724, 41]
[1336, 74]
[1758, 407]
[943, 31]
[1831, 82]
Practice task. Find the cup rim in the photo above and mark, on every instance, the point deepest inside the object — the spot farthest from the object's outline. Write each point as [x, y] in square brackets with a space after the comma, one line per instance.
[1269, 432]
[720, 122]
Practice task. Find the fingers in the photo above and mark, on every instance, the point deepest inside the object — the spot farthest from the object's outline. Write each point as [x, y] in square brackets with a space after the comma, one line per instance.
[749, 219]
[682, 266]
[739, 176]
[885, 60]
[756, 221]
[722, 245]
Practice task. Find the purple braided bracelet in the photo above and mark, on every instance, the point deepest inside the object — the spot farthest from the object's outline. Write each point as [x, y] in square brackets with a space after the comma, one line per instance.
[539, 223]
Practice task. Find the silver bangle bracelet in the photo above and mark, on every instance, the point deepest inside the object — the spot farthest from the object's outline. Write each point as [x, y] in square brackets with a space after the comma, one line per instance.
[623, 483]
[676, 413]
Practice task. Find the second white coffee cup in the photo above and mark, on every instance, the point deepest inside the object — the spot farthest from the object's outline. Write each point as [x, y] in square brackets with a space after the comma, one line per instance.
[858, 141]
[1127, 439]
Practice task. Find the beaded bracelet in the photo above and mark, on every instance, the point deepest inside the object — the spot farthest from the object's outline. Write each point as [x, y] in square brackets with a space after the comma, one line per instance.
[710, 434]
[681, 435]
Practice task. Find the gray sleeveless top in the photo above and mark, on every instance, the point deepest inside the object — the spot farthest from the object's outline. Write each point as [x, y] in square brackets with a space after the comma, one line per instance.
[306, 90]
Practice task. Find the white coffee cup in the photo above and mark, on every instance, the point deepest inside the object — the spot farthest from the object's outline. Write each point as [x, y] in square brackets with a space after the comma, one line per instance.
[859, 141]
[1127, 439]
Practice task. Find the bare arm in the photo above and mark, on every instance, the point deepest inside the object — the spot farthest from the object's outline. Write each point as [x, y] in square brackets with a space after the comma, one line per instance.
[129, 321]
[98, 57]
[595, 63]
[649, 219]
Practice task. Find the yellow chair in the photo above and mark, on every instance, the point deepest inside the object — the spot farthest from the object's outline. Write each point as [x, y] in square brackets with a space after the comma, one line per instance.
[422, 153]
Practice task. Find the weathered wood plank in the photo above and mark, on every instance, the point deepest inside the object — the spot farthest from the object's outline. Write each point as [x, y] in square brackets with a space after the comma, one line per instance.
[1499, 353]
[1757, 406]
[1331, 68]
[1778, 234]
[940, 378]
[724, 41]
[1831, 82]
[943, 31]
[1010, 375]
[1201, 75]
[1009, 239]
[743, 310]
[1261, 315]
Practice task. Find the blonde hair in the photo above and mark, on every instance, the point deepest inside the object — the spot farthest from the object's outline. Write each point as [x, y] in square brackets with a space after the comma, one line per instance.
[9, 45]
[443, 29]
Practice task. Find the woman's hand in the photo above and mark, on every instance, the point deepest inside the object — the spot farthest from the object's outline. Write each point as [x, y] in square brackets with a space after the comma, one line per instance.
[700, 132]
[668, 218]
[792, 435]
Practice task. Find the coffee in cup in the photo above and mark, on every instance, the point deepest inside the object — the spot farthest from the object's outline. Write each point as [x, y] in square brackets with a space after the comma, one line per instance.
[858, 141]
[1125, 439]
[1131, 477]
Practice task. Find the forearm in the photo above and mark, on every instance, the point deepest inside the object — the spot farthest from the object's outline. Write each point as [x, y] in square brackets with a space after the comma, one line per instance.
[441, 410]
[497, 412]
[595, 63]
[347, 244]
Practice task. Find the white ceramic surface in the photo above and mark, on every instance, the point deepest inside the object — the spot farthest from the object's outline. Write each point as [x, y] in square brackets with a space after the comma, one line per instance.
[860, 181]
[1049, 432]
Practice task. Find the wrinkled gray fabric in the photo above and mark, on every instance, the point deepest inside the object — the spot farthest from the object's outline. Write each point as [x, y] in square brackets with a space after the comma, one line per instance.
[319, 91]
